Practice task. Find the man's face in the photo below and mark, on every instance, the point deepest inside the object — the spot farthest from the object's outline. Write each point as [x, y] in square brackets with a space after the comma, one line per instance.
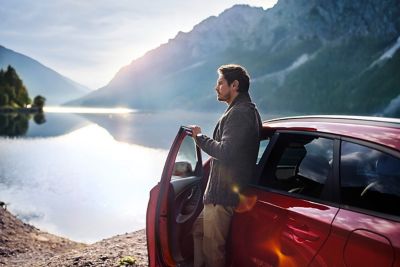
[225, 92]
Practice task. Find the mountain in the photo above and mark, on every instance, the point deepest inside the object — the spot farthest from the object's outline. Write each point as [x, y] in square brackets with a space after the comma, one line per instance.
[305, 56]
[41, 80]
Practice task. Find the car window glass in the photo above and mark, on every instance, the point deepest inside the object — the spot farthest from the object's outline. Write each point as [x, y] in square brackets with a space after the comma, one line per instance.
[370, 179]
[186, 160]
[263, 145]
[299, 164]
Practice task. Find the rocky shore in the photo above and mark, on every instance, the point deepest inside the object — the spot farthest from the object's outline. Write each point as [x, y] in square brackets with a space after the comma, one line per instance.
[24, 245]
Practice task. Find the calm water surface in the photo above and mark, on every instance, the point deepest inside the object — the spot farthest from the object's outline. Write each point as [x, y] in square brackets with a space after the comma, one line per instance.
[88, 176]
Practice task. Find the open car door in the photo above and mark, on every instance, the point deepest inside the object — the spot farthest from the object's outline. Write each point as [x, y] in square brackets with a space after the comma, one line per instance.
[175, 203]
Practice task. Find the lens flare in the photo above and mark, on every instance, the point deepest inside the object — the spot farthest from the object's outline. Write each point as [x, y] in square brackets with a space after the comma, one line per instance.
[273, 245]
[235, 189]
[246, 203]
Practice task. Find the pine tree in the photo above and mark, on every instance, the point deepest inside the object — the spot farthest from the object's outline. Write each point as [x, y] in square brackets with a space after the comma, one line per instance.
[12, 90]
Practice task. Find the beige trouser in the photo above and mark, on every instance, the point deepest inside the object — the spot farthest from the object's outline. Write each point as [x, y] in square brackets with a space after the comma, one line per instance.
[210, 232]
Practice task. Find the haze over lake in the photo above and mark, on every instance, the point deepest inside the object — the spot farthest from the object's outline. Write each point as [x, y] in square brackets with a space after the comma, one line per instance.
[87, 176]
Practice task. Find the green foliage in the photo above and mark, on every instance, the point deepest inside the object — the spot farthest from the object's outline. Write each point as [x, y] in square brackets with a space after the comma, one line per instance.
[13, 93]
[38, 102]
[127, 261]
[4, 99]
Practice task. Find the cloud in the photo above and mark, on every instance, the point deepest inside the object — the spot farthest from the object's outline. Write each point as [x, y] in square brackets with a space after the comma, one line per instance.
[82, 39]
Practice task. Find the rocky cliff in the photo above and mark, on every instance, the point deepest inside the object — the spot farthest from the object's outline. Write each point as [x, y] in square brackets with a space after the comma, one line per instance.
[307, 56]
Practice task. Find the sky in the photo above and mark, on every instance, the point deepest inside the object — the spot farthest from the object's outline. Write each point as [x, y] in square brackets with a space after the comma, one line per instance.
[90, 40]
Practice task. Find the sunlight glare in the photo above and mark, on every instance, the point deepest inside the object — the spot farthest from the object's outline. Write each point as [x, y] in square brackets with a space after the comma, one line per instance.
[86, 110]
[87, 176]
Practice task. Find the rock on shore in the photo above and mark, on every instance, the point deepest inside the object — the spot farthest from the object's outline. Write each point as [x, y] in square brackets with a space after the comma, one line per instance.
[24, 245]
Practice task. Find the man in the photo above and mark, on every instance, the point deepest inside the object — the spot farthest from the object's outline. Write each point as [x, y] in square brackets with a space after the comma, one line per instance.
[234, 149]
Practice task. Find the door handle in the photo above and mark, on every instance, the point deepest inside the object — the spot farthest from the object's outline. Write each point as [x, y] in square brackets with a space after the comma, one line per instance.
[191, 194]
[303, 233]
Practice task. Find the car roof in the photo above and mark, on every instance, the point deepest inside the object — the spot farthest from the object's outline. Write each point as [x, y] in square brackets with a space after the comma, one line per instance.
[383, 131]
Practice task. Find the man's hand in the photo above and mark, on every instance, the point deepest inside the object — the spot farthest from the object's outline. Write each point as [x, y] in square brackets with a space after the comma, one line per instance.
[195, 130]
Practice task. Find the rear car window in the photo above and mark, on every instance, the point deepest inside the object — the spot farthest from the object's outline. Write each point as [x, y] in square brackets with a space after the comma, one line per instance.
[370, 179]
[299, 164]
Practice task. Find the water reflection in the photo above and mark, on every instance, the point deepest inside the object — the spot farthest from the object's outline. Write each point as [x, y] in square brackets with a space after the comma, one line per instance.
[87, 176]
[152, 129]
[82, 110]
[83, 185]
[17, 124]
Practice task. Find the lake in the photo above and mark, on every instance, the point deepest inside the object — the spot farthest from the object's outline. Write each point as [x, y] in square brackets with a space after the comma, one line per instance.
[87, 175]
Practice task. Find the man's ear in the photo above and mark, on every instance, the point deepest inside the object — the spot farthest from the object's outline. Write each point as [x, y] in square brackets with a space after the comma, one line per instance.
[235, 84]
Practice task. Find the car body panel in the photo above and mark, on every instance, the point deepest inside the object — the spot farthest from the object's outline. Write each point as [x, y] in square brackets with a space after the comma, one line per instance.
[150, 231]
[359, 239]
[275, 228]
[166, 225]
[292, 232]
[380, 132]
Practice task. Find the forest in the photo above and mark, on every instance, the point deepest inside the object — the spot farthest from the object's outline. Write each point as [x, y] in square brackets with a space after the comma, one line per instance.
[16, 107]
[13, 93]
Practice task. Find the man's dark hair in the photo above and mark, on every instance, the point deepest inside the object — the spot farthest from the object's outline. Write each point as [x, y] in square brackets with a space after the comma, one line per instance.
[234, 72]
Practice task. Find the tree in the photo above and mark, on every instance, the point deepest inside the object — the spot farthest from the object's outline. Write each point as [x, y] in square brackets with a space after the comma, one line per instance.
[38, 102]
[4, 99]
[12, 90]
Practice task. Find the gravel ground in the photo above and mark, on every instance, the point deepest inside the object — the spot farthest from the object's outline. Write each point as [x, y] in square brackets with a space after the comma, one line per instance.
[24, 245]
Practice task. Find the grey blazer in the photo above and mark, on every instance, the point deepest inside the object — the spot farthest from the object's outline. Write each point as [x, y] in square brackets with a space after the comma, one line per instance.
[234, 150]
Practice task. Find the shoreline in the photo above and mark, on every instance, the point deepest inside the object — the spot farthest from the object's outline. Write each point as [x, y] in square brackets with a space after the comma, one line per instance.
[22, 245]
[8, 110]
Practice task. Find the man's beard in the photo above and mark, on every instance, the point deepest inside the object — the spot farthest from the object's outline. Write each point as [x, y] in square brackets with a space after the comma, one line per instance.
[222, 98]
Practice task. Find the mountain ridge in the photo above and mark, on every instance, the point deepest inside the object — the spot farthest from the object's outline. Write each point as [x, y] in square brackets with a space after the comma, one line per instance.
[300, 55]
[40, 79]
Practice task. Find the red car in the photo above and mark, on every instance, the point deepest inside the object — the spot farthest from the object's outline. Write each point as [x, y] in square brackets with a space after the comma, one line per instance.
[327, 193]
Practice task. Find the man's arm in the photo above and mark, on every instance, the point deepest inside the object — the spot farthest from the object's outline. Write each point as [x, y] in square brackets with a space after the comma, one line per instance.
[236, 129]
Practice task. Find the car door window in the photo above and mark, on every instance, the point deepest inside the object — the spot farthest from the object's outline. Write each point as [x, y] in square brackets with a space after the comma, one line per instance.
[186, 160]
[299, 164]
[263, 145]
[370, 179]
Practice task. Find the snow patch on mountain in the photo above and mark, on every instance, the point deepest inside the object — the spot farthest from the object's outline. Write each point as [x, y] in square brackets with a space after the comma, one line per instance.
[280, 76]
[389, 53]
[393, 107]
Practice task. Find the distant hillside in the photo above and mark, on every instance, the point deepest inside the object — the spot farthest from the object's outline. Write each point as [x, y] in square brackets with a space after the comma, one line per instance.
[306, 56]
[41, 80]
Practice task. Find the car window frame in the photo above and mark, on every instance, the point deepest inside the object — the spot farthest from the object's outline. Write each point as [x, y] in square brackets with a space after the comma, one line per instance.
[198, 168]
[333, 182]
[378, 147]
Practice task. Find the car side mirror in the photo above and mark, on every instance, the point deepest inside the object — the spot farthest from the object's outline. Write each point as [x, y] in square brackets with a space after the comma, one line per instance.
[182, 169]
